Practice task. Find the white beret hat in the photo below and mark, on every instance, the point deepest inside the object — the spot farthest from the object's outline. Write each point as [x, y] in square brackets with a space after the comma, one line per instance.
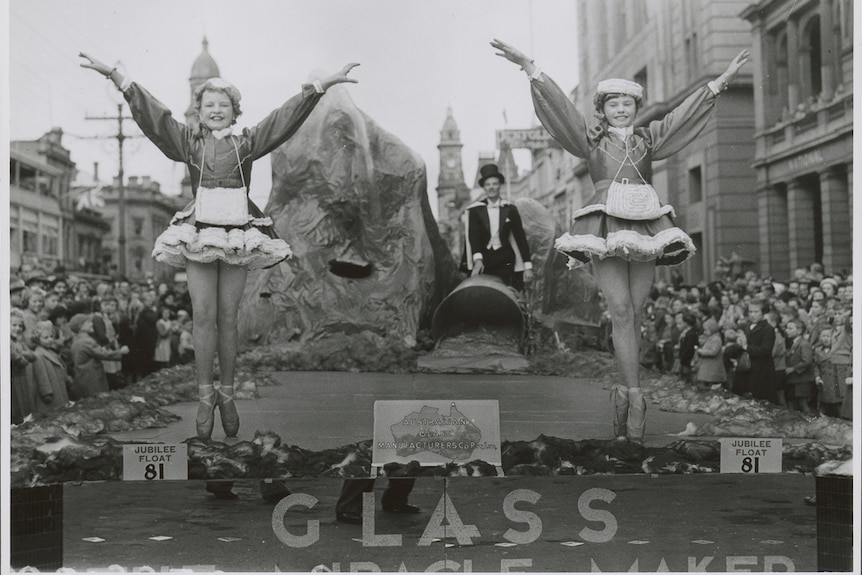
[620, 86]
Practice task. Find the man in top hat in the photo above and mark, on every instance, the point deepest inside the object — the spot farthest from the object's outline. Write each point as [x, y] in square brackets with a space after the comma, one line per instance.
[495, 240]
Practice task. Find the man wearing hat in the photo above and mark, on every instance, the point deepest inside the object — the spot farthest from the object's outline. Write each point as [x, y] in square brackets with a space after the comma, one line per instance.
[17, 294]
[495, 240]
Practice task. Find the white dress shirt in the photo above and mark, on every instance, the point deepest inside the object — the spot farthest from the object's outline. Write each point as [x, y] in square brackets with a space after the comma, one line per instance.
[494, 219]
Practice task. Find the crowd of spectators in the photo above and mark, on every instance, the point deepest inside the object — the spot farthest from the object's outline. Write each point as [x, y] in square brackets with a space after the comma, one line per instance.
[788, 342]
[73, 337]
[785, 342]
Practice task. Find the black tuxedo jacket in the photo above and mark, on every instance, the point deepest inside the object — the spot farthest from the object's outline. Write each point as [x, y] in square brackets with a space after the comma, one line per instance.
[511, 230]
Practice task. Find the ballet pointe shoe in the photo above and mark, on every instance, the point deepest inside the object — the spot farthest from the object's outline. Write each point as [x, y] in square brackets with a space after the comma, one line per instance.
[228, 412]
[620, 397]
[206, 412]
[636, 422]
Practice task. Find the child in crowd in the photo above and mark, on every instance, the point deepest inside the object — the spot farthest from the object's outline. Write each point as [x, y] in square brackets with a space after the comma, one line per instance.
[711, 369]
[687, 347]
[779, 360]
[800, 366]
[830, 386]
[664, 345]
[729, 356]
[87, 356]
[20, 358]
[49, 371]
[185, 347]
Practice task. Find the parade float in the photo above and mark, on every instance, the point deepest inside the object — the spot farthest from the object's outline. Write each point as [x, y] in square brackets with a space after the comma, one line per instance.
[373, 289]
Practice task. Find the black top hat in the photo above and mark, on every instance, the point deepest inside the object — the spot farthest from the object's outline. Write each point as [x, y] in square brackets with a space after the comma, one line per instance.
[490, 171]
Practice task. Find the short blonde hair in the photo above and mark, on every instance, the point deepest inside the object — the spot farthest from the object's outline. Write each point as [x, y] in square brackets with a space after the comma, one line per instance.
[226, 88]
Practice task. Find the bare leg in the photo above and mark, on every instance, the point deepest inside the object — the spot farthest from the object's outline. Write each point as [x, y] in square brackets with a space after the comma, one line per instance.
[625, 286]
[231, 284]
[612, 275]
[203, 284]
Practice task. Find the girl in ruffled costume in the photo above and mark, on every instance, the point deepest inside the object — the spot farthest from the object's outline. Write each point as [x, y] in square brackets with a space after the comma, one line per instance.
[222, 234]
[624, 248]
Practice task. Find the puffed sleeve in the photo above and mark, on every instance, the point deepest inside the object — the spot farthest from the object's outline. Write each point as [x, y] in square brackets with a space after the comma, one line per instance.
[157, 123]
[559, 116]
[682, 124]
[282, 123]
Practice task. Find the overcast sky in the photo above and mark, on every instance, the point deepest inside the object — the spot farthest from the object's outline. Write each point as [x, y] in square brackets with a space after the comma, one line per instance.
[417, 58]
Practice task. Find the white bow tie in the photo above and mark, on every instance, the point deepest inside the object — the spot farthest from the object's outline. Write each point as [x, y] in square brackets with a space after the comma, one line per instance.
[493, 204]
[219, 134]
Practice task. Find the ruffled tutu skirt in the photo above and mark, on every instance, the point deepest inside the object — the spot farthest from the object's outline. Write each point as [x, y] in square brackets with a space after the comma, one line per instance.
[596, 234]
[255, 244]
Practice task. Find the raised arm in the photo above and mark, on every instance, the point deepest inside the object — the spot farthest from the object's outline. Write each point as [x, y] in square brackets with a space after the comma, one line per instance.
[153, 117]
[682, 124]
[283, 122]
[556, 112]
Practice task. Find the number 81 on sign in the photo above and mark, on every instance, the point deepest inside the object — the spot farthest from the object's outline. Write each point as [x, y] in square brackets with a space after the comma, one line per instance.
[155, 462]
[750, 455]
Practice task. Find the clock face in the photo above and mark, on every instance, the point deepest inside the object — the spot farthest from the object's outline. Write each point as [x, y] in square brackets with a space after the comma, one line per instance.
[450, 163]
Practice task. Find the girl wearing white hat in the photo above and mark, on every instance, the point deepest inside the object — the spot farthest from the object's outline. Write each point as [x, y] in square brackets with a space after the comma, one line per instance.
[222, 234]
[623, 229]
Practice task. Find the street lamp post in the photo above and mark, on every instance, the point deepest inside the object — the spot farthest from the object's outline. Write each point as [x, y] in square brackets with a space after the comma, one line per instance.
[121, 189]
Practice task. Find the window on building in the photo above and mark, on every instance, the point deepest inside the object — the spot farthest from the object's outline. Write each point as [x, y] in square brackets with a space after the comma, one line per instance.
[45, 184]
[27, 177]
[14, 235]
[695, 185]
[695, 264]
[846, 18]
[815, 57]
[692, 55]
[50, 241]
[30, 238]
[138, 226]
[138, 254]
[561, 210]
[641, 78]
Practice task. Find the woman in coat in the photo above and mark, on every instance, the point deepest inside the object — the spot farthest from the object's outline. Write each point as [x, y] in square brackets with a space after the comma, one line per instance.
[87, 356]
[759, 341]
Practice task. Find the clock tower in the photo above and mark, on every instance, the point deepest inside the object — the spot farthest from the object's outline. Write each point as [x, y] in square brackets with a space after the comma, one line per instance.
[452, 193]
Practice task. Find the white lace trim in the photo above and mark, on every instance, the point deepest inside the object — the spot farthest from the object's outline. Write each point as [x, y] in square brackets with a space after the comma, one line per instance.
[251, 247]
[627, 244]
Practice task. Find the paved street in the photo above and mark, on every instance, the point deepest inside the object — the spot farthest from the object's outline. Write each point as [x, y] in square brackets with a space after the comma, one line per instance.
[320, 410]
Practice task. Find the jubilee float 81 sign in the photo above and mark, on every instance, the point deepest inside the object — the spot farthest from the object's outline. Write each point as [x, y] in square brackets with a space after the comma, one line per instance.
[750, 455]
[436, 432]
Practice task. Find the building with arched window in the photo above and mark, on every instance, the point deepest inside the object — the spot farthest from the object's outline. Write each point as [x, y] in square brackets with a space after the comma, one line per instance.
[803, 59]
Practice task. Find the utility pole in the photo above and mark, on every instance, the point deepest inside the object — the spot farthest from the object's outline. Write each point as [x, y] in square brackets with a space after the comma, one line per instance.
[121, 204]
